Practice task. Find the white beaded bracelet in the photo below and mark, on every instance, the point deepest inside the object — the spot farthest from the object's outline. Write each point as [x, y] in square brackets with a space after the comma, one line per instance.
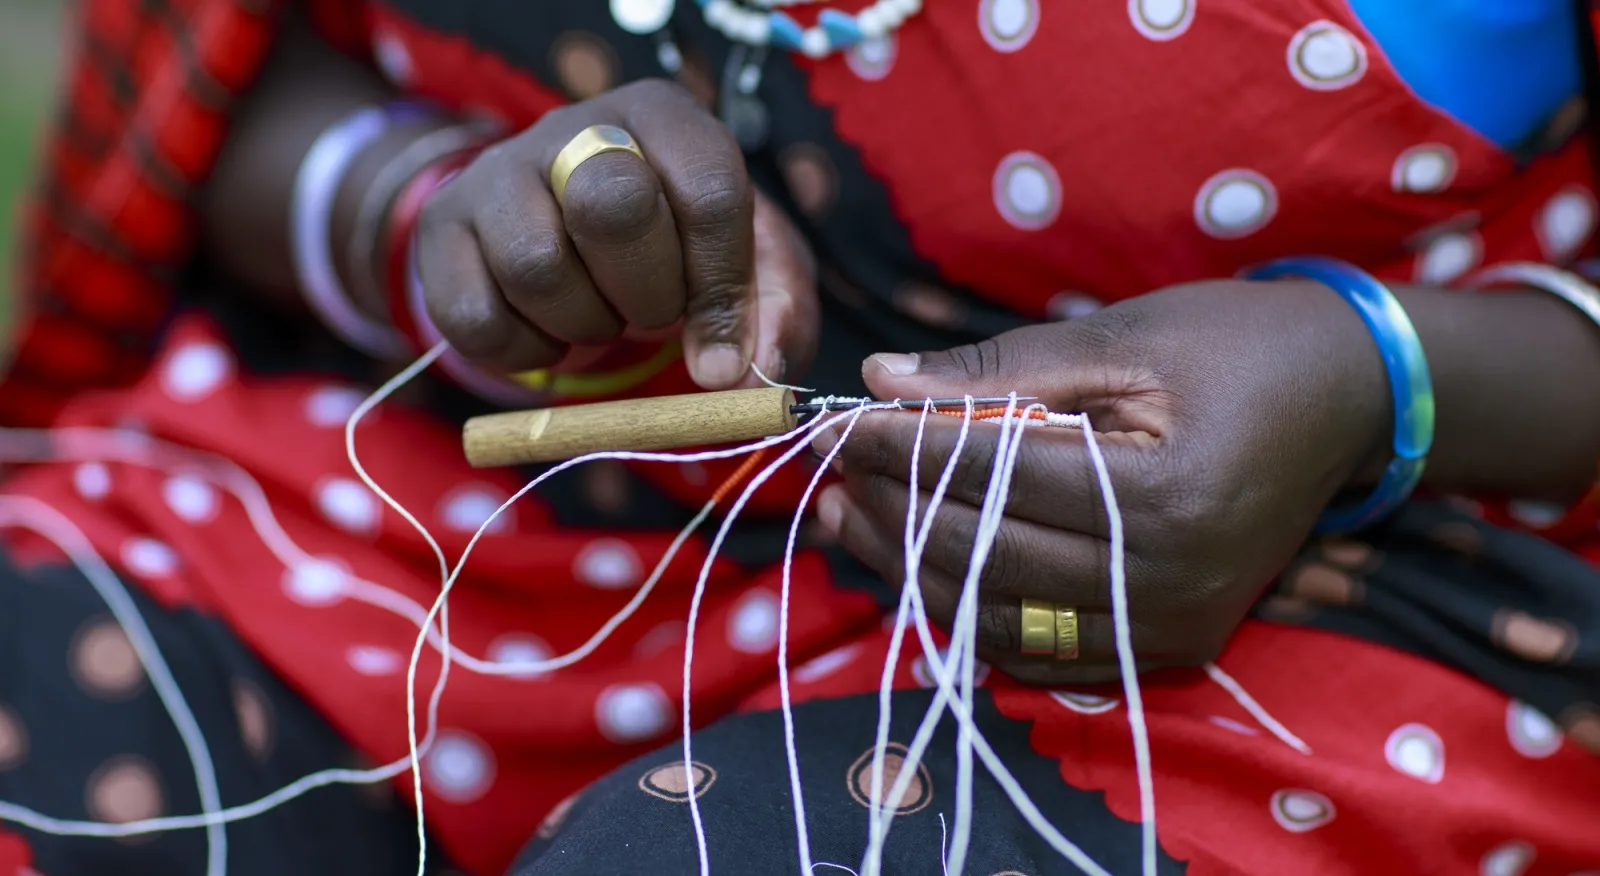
[316, 186]
[1574, 289]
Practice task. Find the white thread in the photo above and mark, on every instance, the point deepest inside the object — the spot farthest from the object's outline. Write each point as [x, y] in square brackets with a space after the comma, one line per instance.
[39, 517]
[694, 614]
[774, 384]
[1249, 704]
[790, 752]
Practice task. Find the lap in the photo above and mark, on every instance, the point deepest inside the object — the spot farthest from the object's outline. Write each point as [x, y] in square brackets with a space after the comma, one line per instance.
[85, 736]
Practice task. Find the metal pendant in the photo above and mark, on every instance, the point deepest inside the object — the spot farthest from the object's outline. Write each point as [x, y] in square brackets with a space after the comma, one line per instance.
[738, 105]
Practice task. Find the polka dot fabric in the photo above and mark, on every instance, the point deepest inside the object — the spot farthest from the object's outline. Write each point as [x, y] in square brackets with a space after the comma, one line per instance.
[1035, 205]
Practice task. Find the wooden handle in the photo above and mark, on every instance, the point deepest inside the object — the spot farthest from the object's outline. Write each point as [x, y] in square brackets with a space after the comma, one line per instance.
[661, 423]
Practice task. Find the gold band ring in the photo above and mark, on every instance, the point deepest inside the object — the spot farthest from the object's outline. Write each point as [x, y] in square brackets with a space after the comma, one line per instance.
[1048, 628]
[591, 141]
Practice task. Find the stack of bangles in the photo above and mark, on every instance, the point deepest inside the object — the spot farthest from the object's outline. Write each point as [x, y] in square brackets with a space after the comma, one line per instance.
[380, 252]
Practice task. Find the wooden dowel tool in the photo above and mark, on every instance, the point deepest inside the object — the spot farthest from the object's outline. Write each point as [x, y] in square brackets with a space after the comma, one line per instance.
[639, 424]
[644, 424]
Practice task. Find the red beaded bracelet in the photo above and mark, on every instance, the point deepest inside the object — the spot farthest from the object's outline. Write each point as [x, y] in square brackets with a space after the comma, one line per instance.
[398, 233]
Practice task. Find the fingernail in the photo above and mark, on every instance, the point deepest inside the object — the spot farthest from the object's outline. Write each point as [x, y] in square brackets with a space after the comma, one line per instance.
[824, 441]
[901, 364]
[830, 510]
[719, 365]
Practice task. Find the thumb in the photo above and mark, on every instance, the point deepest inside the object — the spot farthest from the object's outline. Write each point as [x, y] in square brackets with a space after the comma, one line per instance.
[995, 367]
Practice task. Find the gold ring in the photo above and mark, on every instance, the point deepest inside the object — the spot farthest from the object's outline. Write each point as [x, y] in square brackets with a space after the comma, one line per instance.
[591, 141]
[1038, 627]
[1066, 647]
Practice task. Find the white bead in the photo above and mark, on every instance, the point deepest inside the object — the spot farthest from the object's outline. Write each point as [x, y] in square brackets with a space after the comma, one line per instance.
[718, 13]
[814, 43]
[872, 23]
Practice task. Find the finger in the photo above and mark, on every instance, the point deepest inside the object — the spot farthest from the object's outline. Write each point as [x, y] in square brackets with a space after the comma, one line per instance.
[786, 302]
[703, 178]
[536, 264]
[1009, 363]
[1054, 482]
[999, 619]
[465, 302]
[1022, 558]
[618, 219]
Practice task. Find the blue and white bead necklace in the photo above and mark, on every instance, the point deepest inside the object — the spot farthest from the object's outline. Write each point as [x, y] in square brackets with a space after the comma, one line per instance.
[763, 23]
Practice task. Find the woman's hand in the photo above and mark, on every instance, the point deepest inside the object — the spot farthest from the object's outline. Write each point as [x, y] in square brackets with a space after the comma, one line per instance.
[513, 280]
[1229, 414]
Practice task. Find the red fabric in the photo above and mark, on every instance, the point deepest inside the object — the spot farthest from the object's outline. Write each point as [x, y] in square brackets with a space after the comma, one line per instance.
[15, 859]
[114, 227]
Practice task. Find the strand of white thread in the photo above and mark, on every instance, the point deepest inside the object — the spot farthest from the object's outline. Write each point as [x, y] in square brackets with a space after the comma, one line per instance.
[694, 613]
[913, 557]
[39, 517]
[989, 527]
[1249, 704]
[791, 753]
[943, 675]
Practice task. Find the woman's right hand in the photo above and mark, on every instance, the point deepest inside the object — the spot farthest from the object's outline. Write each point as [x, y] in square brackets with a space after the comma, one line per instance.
[512, 279]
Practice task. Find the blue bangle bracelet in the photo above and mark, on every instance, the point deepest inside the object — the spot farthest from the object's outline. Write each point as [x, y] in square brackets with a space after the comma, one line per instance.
[1409, 380]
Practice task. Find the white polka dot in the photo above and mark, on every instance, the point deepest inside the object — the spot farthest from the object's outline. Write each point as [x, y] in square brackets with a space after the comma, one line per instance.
[518, 648]
[466, 509]
[374, 660]
[394, 59]
[753, 626]
[1424, 169]
[195, 371]
[1027, 191]
[1235, 726]
[924, 677]
[1449, 256]
[1417, 751]
[348, 505]
[314, 582]
[1235, 203]
[1532, 734]
[459, 768]
[1008, 25]
[632, 712]
[1507, 859]
[1324, 56]
[820, 667]
[191, 498]
[92, 480]
[872, 59]
[149, 558]
[608, 564]
[659, 639]
[1536, 514]
[1566, 222]
[1161, 20]
[330, 407]
[1298, 811]
[1072, 305]
[641, 16]
[1084, 704]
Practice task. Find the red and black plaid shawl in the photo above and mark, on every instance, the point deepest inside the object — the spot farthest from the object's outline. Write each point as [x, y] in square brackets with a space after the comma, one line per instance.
[146, 97]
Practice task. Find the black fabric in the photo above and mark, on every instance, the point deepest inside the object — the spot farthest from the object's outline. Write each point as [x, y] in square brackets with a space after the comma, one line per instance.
[743, 791]
[1506, 607]
[83, 736]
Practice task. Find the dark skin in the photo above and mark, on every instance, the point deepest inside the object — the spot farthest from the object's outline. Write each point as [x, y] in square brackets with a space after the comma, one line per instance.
[1230, 413]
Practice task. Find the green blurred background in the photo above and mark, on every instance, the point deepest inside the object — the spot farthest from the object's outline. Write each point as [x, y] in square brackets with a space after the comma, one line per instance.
[30, 44]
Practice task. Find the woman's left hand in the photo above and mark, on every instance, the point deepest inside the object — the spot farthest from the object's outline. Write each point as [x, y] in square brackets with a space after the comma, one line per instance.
[1229, 414]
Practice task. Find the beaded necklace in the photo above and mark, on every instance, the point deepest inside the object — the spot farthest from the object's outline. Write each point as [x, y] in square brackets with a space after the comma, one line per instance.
[762, 23]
